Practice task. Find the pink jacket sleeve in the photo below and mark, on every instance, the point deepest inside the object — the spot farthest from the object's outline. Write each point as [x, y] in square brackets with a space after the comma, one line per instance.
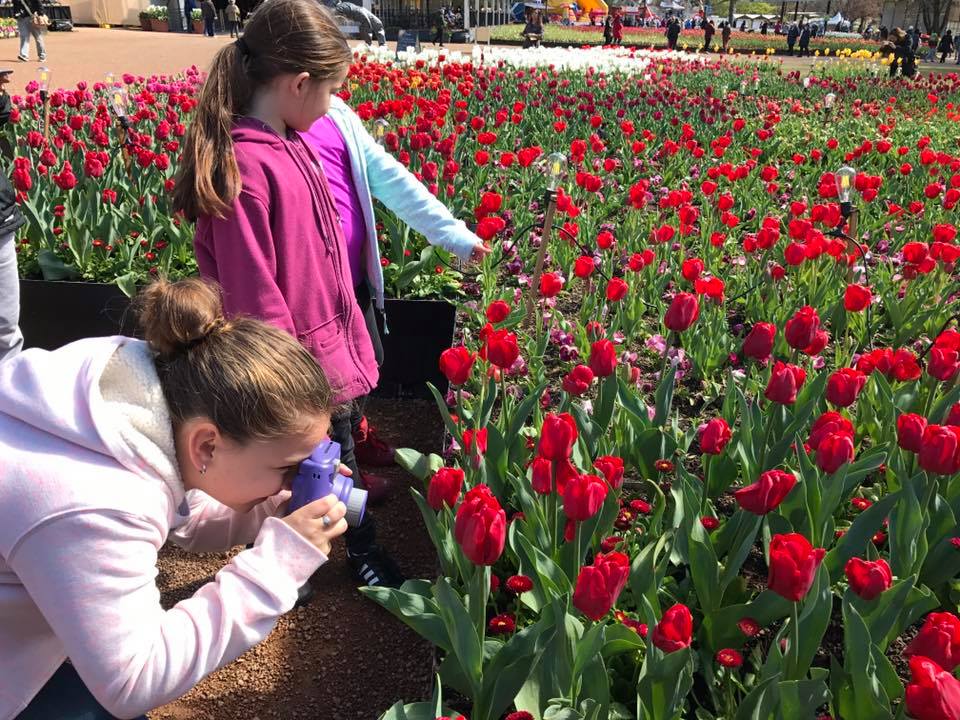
[213, 527]
[239, 253]
[92, 575]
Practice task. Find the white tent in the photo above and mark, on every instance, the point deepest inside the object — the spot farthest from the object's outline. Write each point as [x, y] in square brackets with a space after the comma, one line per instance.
[836, 19]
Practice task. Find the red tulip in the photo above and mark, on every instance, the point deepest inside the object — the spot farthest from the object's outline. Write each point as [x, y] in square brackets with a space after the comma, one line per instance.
[682, 313]
[827, 424]
[943, 364]
[856, 298]
[939, 640]
[714, 436]
[801, 329]
[793, 565]
[835, 451]
[675, 629]
[940, 449]
[550, 285]
[583, 497]
[599, 585]
[612, 469]
[617, 290]
[603, 358]
[475, 441]
[498, 311]
[868, 578]
[759, 342]
[844, 386]
[953, 417]
[766, 494]
[481, 526]
[557, 436]
[578, 380]
[934, 694]
[502, 349]
[456, 363]
[584, 267]
[910, 429]
[445, 487]
[820, 340]
[541, 477]
[785, 381]
[691, 269]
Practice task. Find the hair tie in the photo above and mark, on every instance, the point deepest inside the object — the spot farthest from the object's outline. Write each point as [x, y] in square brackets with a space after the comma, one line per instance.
[208, 331]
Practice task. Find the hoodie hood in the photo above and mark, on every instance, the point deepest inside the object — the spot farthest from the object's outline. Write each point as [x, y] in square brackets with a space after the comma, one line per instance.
[102, 394]
[251, 130]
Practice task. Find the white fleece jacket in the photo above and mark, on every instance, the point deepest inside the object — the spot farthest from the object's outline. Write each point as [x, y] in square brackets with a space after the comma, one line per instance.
[89, 492]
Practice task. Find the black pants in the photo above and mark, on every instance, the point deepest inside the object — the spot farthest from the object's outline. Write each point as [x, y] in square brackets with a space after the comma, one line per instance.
[65, 697]
[345, 422]
[232, 26]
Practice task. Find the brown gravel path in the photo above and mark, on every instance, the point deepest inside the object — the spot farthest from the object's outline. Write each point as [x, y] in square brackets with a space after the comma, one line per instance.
[342, 657]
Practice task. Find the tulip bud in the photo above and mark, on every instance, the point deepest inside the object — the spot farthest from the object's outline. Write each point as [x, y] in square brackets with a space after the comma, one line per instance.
[557, 436]
[940, 449]
[868, 578]
[603, 358]
[766, 494]
[714, 436]
[481, 526]
[456, 363]
[785, 381]
[445, 487]
[682, 313]
[583, 497]
[844, 386]
[856, 298]
[793, 565]
[675, 629]
[600, 584]
[801, 329]
[835, 451]
[910, 429]
[759, 342]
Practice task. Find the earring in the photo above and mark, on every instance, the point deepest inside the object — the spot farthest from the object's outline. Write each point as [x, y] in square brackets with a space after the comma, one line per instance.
[203, 470]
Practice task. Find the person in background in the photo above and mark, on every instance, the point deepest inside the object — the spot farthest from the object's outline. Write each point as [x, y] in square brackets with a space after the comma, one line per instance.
[617, 27]
[439, 20]
[793, 32]
[725, 33]
[805, 40]
[232, 15]
[209, 11]
[608, 30]
[932, 43]
[708, 32]
[111, 446]
[11, 339]
[673, 33]
[945, 47]
[956, 46]
[24, 11]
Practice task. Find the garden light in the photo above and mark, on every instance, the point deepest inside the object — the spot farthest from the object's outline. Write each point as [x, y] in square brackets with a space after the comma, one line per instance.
[845, 178]
[118, 103]
[380, 128]
[43, 79]
[806, 83]
[556, 169]
[829, 101]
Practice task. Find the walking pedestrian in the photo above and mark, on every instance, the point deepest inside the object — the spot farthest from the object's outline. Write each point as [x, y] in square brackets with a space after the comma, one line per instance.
[708, 32]
[793, 32]
[209, 14]
[31, 22]
[946, 46]
[805, 40]
[232, 14]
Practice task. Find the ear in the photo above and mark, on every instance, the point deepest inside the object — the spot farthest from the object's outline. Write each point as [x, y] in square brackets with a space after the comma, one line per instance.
[200, 438]
[299, 83]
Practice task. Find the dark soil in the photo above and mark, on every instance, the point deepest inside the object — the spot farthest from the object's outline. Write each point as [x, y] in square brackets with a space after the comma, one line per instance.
[342, 656]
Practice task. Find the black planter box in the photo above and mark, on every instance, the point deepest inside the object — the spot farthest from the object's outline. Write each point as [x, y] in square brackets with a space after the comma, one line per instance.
[419, 330]
[54, 313]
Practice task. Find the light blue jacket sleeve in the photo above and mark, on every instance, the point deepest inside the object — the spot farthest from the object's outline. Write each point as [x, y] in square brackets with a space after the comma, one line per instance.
[405, 196]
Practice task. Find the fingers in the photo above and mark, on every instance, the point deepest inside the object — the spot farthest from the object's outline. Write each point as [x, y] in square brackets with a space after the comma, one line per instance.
[344, 470]
[322, 506]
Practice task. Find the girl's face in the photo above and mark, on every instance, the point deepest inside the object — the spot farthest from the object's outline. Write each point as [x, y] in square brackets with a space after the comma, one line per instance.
[243, 475]
[304, 100]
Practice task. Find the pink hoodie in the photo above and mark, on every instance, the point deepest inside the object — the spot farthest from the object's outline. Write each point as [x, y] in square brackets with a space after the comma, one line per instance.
[89, 493]
[281, 257]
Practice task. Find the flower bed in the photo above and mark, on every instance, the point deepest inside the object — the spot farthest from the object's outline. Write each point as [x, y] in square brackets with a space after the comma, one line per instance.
[714, 473]
[689, 39]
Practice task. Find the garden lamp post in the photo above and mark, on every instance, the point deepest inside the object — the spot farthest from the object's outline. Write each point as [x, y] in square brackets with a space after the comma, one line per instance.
[556, 169]
[43, 79]
[380, 128]
[119, 102]
[845, 178]
[829, 101]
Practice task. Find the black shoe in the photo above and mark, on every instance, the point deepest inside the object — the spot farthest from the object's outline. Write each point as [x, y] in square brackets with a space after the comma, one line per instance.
[305, 594]
[375, 568]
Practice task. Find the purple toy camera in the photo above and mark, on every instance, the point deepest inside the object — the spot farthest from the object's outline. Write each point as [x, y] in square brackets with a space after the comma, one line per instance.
[317, 477]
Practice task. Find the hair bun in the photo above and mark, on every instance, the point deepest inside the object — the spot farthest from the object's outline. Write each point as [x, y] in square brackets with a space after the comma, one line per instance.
[176, 316]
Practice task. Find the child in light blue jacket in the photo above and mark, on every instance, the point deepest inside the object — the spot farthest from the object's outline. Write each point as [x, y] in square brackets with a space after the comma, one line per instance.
[357, 170]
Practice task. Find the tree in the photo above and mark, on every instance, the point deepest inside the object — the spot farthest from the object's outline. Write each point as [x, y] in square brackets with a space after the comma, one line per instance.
[860, 9]
[936, 14]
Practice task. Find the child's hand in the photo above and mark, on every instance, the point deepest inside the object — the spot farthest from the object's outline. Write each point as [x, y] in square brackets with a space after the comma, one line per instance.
[320, 522]
[480, 251]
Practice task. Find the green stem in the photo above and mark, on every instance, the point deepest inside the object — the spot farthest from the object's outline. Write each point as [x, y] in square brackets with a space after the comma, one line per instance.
[766, 442]
[793, 666]
[705, 498]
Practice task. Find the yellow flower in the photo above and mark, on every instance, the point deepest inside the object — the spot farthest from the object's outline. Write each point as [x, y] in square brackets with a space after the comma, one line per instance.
[816, 53]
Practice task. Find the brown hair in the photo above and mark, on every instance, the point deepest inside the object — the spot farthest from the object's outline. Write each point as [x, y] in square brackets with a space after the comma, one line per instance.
[253, 380]
[281, 37]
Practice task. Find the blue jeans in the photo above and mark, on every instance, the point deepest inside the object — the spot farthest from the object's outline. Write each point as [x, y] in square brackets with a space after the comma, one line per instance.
[11, 341]
[208, 28]
[27, 30]
[65, 697]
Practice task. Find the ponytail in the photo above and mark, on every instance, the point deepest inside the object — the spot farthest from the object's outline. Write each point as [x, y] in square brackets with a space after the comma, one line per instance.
[281, 37]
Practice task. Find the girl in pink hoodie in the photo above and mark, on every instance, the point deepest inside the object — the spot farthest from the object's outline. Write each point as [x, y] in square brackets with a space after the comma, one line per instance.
[111, 446]
[268, 226]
